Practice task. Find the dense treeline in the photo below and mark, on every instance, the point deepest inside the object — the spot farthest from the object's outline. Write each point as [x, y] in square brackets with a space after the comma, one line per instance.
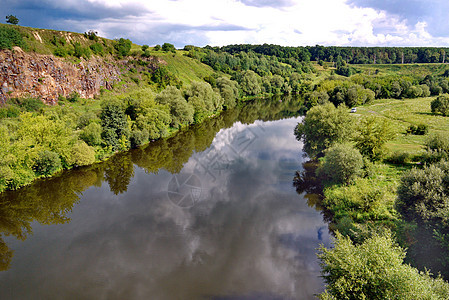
[39, 141]
[352, 55]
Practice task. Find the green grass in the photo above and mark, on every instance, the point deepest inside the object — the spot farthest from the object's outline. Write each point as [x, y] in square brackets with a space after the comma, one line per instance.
[415, 70]
[404, 113]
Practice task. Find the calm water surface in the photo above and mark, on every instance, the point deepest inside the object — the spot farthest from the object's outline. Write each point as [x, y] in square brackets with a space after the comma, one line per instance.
[208, 214]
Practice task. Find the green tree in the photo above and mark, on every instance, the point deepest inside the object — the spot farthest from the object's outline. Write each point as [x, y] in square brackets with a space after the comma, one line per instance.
[229, 91]
[12, 20]
[372, 135]
[113, 122]
[374, 270]
[123, 46]
[249, 83]
[47, 163]
[168, 47]
[82, 154]
[323, 126]
[181, 112]
[204, 100]
[342, 163]
[441, 105]
[423, 194]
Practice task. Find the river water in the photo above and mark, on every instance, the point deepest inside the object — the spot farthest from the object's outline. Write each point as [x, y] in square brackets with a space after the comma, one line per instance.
[208, 214]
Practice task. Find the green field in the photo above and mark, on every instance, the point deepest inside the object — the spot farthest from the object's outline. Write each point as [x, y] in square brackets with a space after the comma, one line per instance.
[404, 113]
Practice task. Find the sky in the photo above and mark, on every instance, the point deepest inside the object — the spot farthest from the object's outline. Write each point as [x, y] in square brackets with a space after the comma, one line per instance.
[224, 22]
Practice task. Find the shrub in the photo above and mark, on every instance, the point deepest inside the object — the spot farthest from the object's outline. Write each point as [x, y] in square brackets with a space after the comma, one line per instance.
[91, 134]
[374, 270]
[342, 163]
[123, 46]
[438, 142]
[373, 133]
[31, 104]
[423, 194]
[79, 51]
[420, 129]
[82, 155]
[399, 158]
[61, 52]
[168, 47]
[145, 48]
[10, 37]
[323, 126]
[97, 48]
[74, 97]
[47, 163]
[138, 138]
[441, 105]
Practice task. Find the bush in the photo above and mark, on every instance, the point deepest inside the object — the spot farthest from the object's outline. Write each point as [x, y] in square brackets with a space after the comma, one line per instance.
[97, 48]
[61, 52]
[399, 158]
[79, 51]
[74, 97]
[82, 155]
[138, 138]
[373, 133]
[374, 270]
[31, 104]
[91, 134]
[441, 105]
[168, 47]
[423, 194]
[323, 126]
[342, 163]
[438, 142]
[123, 46]
[10, 37]
[47, 163]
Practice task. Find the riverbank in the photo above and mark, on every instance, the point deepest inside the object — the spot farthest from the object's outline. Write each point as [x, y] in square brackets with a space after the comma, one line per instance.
[369, 208]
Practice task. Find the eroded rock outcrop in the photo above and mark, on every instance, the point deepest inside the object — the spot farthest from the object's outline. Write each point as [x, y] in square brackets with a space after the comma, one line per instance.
[44, 76]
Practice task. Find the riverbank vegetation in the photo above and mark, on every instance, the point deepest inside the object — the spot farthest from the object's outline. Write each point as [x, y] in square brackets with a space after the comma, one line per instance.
[393, 198]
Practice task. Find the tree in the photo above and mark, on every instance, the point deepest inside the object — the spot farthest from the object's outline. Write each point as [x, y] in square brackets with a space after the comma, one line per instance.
[375, 270]
[373, 133]
[168, 47]
[249, 82]
[181, 111]
[204, 100]
[441, 105]
[323, 126]
[423, 194]
[12, 20]
[113, 122]
[342, 163]
[229, 91]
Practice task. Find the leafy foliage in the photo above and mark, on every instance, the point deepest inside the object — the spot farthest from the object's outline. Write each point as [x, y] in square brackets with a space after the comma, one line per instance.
[375, 269]
[441, 105]
[12, 20]
[113, 122]
[10, 37]
[47, 163]
[423, 195]
[323, 126]
[123, 46]
[342, 163]
[373, 133]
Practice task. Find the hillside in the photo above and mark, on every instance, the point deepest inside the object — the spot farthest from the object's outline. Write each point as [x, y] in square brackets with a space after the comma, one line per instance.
[49, 64]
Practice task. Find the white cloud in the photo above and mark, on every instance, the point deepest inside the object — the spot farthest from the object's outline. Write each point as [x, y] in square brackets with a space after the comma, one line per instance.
[223, 22]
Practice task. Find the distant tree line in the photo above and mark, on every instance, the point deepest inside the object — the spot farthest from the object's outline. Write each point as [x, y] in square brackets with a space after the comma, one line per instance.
[352, 55]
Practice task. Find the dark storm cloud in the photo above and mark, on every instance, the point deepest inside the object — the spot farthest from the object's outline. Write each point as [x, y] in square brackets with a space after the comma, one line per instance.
[54, 13]
[268, 3]
[432, 12]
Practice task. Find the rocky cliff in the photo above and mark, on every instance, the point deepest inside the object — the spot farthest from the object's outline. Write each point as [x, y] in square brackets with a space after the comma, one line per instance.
[44, 76]
[47, 77]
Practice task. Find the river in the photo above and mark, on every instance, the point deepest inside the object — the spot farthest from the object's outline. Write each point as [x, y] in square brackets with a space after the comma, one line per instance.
[210, 213]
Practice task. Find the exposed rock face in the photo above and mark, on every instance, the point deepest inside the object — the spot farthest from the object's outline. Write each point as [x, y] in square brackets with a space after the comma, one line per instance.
[29, 74]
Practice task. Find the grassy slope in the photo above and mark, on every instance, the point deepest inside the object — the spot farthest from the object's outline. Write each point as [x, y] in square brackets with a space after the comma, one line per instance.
[183, 67]
[404, 69]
